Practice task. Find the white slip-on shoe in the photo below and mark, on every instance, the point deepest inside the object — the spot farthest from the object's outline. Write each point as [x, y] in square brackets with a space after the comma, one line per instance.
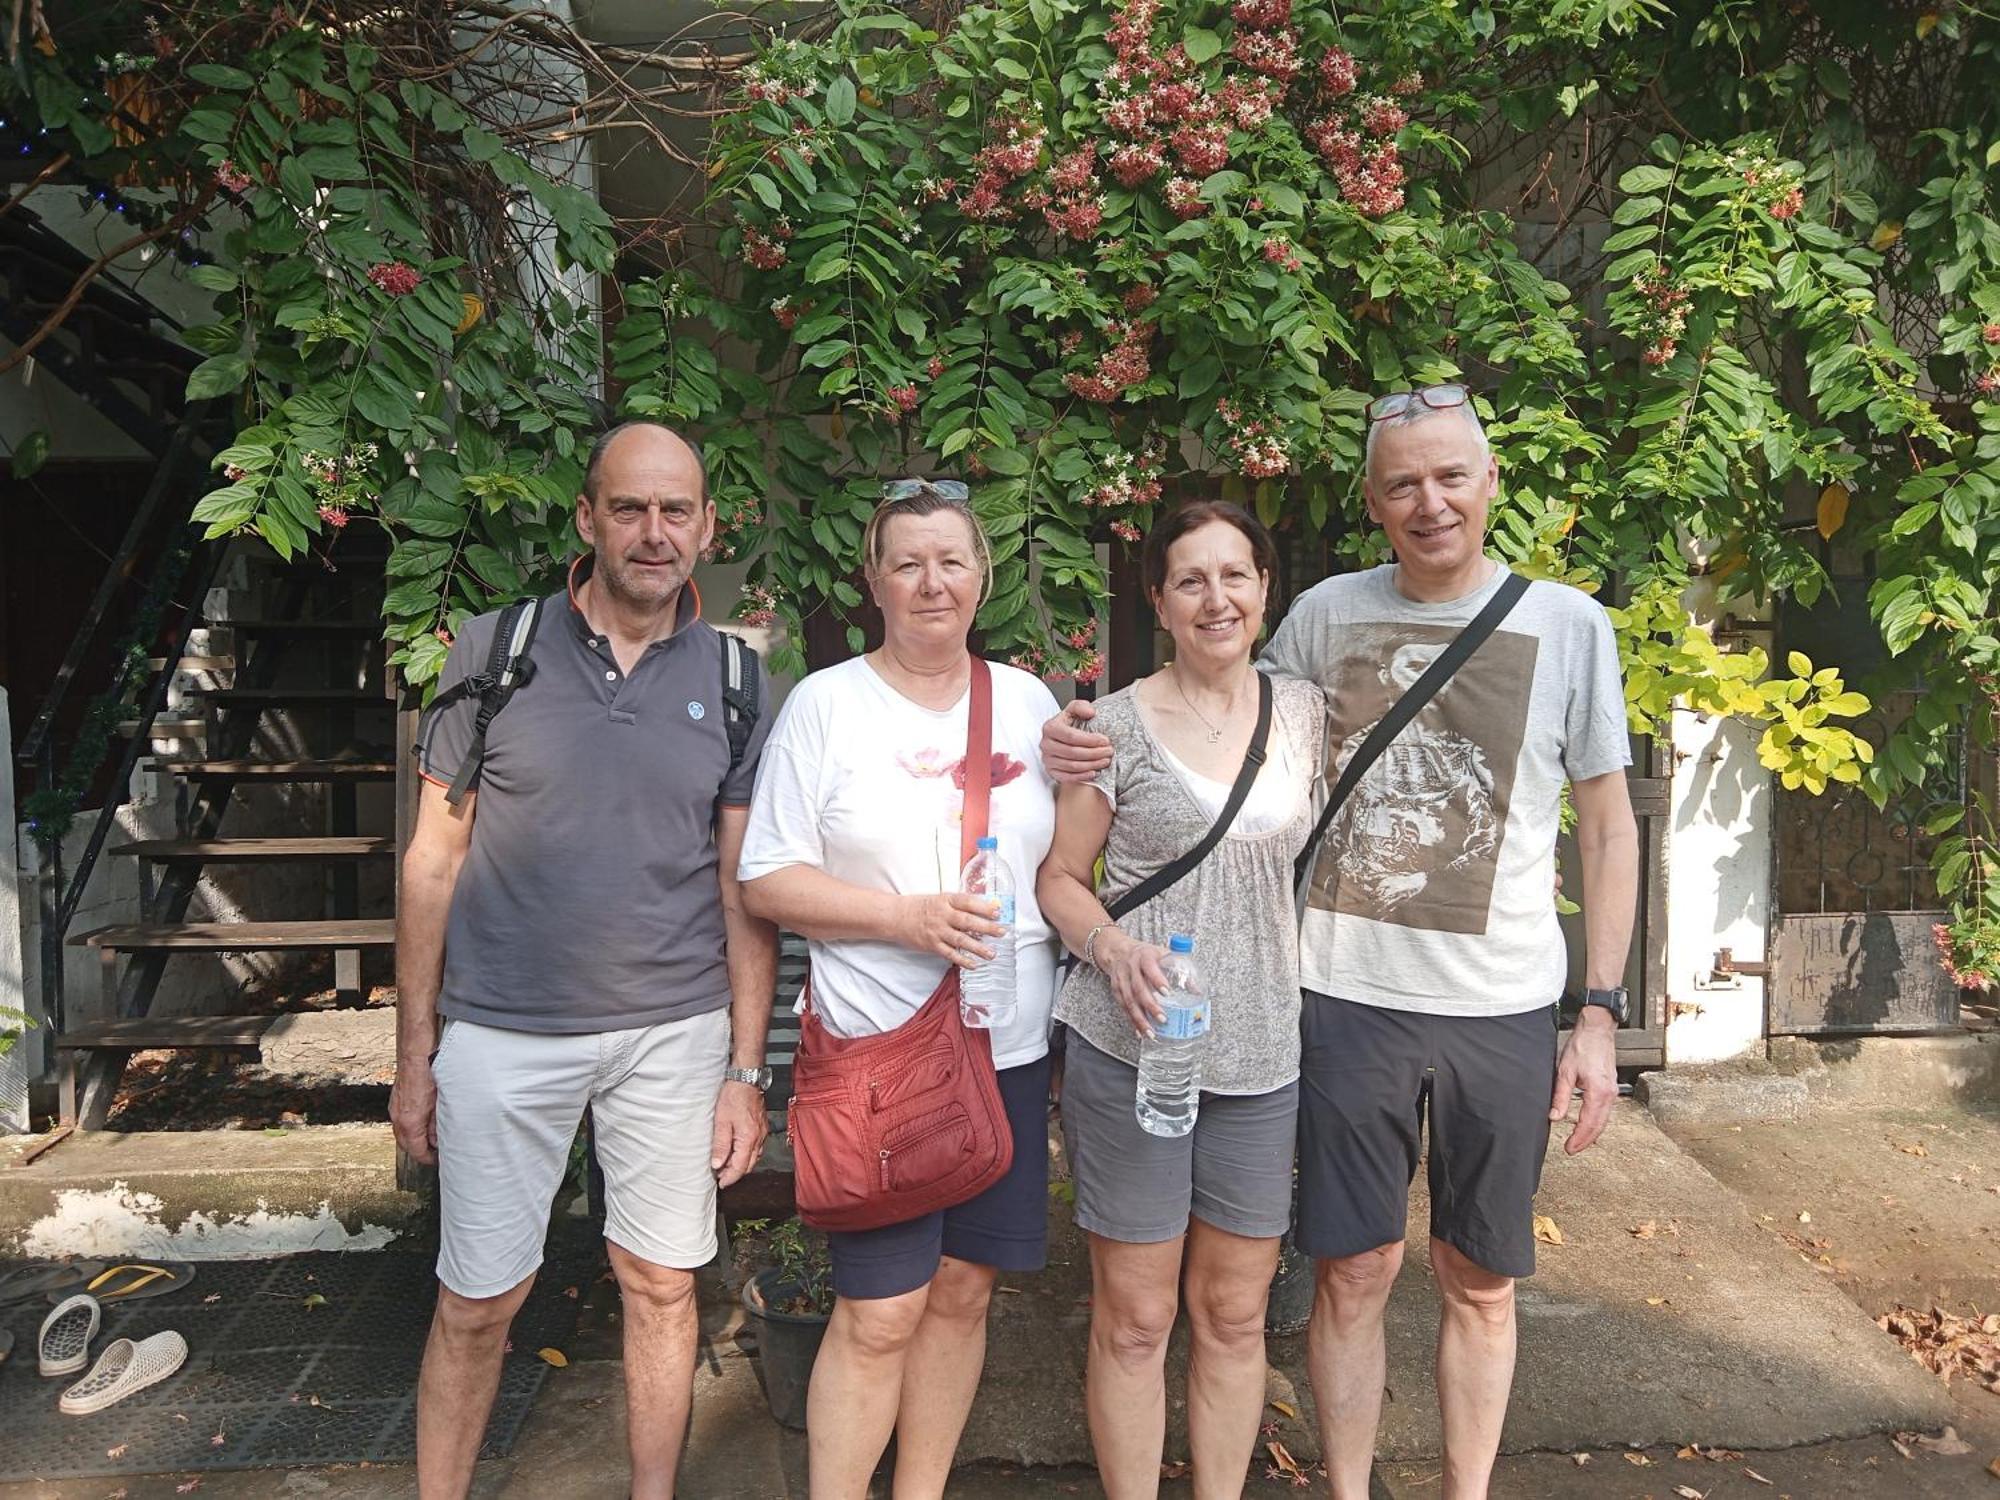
[64, 1346]
[123, 1368]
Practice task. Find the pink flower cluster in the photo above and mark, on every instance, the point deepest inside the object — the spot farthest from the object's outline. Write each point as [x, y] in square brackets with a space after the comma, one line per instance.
[1125, 531]
[1184, 198]
[1136, 162]
[759, 606]
[1990, 332]
[1357, 139]
[1254, 442]
[1124, 364]
[1011, 156]
[1126, 480]
[1280, 252]
[1788, 204]
[395, 278]
[903, 400]
[1666, 314]
[786, 309]
[334, 516]
[1988, 385]
[1140, 296]
[1960, 967]
[231, 178]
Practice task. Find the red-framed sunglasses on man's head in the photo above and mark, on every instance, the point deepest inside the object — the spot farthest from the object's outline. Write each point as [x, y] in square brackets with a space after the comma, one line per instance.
[1438, 397]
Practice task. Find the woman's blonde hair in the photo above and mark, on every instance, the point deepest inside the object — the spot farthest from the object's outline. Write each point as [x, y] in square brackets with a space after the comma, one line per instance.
[923, 499]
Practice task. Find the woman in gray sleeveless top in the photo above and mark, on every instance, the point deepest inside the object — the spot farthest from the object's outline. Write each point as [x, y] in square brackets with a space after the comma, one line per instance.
[1218, 1197]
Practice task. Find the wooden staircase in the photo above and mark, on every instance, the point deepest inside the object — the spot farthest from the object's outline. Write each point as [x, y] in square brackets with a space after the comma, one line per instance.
[229, 706]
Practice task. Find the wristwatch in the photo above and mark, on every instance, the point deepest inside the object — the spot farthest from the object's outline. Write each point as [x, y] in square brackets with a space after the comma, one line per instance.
[757, 1078]
[1617, 1001]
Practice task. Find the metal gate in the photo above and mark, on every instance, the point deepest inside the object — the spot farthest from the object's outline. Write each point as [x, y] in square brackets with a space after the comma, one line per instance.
[1851, 949]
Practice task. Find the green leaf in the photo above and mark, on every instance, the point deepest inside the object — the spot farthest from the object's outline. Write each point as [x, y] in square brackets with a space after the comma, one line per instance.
[217, 377]
[1201, 44]
[840, 100]
[1645, 179]
[214, 278]
[31, 453]
[766, 190]
[218, 76]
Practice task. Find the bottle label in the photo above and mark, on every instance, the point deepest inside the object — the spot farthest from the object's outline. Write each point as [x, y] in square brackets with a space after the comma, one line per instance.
[1185, 1022]
[1005, 916]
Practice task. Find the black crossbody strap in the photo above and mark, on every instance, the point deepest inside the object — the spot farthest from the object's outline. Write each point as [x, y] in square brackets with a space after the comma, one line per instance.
[506, 669]
[1405, 708]
[1253, 762]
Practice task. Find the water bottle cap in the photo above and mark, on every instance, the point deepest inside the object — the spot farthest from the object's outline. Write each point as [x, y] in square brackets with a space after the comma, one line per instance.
[1180, 942]
[989, 842]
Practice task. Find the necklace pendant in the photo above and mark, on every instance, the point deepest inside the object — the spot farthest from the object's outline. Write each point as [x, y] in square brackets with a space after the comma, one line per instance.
[1214, 735]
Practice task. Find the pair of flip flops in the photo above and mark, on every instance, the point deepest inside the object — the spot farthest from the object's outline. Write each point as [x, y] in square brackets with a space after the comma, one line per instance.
[126, 1366]
[105, 1280]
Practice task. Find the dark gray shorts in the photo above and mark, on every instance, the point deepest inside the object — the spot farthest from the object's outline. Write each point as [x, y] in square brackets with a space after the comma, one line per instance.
[1371, 1077]
[1233, 1170]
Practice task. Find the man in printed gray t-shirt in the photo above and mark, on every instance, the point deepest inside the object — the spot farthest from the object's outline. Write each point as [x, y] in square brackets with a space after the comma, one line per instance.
[1430, 956]
[575, 921]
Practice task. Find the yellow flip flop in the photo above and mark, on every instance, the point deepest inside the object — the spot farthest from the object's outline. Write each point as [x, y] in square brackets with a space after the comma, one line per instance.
[132, 1280]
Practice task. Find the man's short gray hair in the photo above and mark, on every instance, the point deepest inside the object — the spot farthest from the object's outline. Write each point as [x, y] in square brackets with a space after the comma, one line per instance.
[605, 439]
[1417, 412]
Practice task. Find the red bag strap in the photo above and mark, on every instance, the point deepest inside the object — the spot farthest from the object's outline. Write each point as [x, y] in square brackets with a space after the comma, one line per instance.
[978, 760]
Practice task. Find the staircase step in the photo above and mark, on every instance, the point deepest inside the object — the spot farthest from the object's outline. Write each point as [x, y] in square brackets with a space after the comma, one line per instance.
[279, 697]
[357, 628]
[167, 1031]
[240, 937]
[281, 770]
[194, 663]
[239, 851]
[165, 728]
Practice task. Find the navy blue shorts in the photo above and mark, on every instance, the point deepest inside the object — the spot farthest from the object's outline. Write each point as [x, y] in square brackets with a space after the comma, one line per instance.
[1006, 1227]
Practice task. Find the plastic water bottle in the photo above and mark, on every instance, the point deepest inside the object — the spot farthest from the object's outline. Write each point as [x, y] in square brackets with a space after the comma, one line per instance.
[986, 996]
[1170, 1059]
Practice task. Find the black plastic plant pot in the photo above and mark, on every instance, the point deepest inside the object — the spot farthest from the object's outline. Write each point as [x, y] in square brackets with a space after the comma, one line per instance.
[787, 1345]
[1290, 1307]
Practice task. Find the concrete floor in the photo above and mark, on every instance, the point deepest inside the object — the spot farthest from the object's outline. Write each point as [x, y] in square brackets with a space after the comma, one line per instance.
[1761, 1344]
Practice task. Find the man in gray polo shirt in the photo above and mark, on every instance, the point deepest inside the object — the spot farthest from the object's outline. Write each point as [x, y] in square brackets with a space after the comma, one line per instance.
[576, 924]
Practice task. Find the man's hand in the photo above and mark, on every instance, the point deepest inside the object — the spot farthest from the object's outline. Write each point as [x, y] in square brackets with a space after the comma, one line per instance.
[740, 1128]
[413, 1109]
[1070, 752]
[1590, 1062]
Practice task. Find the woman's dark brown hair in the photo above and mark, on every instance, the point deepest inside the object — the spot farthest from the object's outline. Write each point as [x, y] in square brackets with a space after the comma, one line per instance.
[1192, 517]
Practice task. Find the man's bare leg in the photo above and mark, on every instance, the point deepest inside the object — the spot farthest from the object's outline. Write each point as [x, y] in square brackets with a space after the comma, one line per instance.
[455, 1391]
[1348, 1357]
[661, 1328]
[1475, 1368]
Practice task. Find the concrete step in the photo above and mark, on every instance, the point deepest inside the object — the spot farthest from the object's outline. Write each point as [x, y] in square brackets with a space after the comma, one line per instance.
[280, 770]
[241, 937]
[205, 1195]
[257, 850]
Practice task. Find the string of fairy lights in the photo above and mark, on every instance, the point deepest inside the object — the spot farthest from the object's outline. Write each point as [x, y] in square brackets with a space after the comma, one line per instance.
[22, 139]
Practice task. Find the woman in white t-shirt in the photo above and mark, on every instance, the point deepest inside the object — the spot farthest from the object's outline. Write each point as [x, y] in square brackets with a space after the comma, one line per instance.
[854, 843]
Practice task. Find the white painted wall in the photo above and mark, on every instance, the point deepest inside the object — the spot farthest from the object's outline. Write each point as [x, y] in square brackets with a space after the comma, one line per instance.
[1719, 851]
[18, 1065]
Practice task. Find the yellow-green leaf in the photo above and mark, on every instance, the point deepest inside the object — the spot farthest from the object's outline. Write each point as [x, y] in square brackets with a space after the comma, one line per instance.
[1799, 664]
[1832, 509]
[553, 1357]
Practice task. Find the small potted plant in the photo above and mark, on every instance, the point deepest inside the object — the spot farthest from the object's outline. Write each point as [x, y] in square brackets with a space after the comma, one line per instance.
[791, 1299]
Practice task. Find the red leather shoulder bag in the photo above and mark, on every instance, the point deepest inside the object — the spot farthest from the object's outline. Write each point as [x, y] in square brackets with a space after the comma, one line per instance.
[890, 1127]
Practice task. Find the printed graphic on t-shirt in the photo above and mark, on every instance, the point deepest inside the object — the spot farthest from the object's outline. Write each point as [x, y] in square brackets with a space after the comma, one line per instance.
[947, 772]
[1418, 842]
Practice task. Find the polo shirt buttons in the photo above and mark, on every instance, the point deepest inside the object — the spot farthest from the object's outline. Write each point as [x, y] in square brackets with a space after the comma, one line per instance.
[610, 676]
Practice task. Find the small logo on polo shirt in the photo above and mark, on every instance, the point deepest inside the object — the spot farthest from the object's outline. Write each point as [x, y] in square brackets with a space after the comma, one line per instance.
[697, 709]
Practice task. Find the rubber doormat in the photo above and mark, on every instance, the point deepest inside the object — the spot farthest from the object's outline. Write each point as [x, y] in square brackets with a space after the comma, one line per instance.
[307, 1360]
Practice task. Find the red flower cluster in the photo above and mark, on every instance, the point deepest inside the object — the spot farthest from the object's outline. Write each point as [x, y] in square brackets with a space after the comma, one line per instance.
[1090, 668]
[786, 311]
[1014, 155]
[934, 366]
[1262, 12]
[762, 251]
[1666, 314]
[230, 178]
[1989, 383]
[1960, 968]
[1125, 364]
[762, 605]
[1074, 217]
[1125, 531]
[1275, 54]
[1074, 173]
[1990, 332]
[1137, 162]
[1184, 198]
[1788, 204]
[1337, 73]
[1250, 101]
[334, 516]
[1140, 297]
[1356, 140]
[395, 278]
[1255, 443]
[1383, 116]
[1280, 252]
[1202, 149]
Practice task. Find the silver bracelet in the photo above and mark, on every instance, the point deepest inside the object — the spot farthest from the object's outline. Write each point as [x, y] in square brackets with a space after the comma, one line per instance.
[1089, 942]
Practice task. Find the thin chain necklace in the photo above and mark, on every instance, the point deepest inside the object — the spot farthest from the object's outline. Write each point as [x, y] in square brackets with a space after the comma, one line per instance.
[1214, 734]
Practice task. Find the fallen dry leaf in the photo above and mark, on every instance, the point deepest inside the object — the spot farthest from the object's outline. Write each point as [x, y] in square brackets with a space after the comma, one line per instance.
[1804, 1217]
[1284, 1463]
[1689, 1492]
[314, 1299]
[1897, 1444]
[213, 1297]
[1994, 1468]
[1638, 1460]
[1946, 1344]
[1285, 1409]
[218, 1440]
[118, 1452]
[1177, 1469]
[1644, 1231]
[1947, 1443]
[553, 1357]
[189, 1488]
[571, 1293]
[1579, 1459]
[1755, 1477]
[1917, 1148]
[1546, 1230]
[1656, 1302]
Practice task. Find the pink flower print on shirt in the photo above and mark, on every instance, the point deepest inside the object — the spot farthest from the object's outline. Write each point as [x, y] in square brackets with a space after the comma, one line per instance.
[1005, 769]
[927, 763]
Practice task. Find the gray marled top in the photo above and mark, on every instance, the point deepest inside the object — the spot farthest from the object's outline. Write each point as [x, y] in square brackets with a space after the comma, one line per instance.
[1237, 904]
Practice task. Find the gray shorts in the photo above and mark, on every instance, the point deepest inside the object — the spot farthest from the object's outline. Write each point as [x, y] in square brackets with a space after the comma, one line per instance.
[1232, 1171]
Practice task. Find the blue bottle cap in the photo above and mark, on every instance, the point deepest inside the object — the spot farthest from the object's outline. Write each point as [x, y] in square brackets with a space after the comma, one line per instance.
[989, 842]
[1180, 942]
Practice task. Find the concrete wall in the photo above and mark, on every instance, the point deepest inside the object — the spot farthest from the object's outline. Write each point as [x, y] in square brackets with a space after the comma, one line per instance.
[14, 1067]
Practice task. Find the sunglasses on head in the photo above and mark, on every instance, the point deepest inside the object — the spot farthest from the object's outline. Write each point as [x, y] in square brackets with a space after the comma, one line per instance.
[951, 490]
[1438, 397]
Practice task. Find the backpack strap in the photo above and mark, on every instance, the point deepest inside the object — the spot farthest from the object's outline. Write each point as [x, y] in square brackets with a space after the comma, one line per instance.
[507, 667]
[739, 695]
